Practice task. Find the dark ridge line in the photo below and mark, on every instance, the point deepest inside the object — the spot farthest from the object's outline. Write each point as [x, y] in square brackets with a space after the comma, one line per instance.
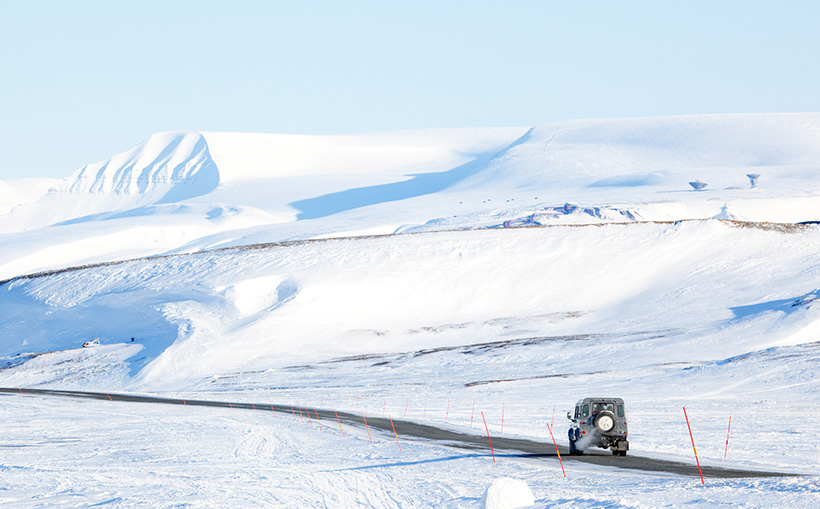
[779, 227]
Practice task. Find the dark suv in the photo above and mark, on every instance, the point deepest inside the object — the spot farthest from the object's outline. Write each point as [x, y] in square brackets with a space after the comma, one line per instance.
[598, 422]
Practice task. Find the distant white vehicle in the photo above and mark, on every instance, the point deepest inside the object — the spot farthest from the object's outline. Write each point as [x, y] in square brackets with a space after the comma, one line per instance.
[93, 342]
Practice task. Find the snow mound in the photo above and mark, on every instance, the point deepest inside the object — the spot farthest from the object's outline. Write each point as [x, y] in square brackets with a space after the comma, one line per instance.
[267, 293]
[506, 493]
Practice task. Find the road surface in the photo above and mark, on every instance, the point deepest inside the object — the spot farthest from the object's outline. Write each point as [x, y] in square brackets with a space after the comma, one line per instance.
[409, 430]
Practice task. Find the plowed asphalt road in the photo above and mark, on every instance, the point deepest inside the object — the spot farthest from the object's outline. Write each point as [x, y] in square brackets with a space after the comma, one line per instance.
[425, 432]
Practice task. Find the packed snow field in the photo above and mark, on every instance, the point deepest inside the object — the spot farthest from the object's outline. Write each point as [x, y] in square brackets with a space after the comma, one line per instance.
[440, 276]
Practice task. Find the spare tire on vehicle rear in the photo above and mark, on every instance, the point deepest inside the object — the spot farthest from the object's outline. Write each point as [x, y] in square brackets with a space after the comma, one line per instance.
[605, 422]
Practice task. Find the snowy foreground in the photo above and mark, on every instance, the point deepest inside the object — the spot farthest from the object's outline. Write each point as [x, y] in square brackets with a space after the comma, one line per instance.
[58, 453]
[443, 277]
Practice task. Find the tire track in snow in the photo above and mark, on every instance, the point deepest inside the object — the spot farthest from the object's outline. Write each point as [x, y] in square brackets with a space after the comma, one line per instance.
[515, 447]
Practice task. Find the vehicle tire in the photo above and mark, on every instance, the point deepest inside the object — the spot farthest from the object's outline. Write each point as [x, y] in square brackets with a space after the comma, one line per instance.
[573, 449]
[605, 422]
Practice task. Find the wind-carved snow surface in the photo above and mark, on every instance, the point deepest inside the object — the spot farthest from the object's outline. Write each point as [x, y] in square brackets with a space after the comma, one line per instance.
[441, 276]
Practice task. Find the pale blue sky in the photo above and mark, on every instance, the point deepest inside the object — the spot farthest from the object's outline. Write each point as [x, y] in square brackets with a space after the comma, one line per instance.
[82, 80]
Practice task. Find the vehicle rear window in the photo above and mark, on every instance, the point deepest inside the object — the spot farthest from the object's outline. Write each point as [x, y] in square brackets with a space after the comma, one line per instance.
[601, 407]
[586, 410]
[620, 410]
[577, 412]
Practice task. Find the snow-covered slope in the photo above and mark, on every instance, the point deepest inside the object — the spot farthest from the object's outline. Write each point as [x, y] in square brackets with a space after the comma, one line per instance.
[664, 153]
[254, 156]
[249, 309]
[19, 191]
[645, 166]
[9, 197]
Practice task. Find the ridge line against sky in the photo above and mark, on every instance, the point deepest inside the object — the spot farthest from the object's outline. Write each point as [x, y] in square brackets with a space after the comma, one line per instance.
[84, 80]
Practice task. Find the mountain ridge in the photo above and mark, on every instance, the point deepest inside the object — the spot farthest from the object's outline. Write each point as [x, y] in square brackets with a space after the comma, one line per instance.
[189, 191]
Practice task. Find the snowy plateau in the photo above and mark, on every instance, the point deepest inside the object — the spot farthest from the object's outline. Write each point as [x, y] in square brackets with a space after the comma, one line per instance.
[473, 283]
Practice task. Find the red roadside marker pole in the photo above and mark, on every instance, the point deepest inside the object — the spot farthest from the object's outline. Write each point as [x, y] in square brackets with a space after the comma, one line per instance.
[317, 418]
[556, 451]
[267, 394]
[693, 445]
[367, 428]
[394, 431]
[727, 436]
[488, 436]
[340, 423]
[472, 414]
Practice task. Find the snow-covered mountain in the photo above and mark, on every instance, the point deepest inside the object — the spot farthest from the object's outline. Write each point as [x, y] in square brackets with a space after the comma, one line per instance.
[182, 192]
[166, 168]
[333, 267]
